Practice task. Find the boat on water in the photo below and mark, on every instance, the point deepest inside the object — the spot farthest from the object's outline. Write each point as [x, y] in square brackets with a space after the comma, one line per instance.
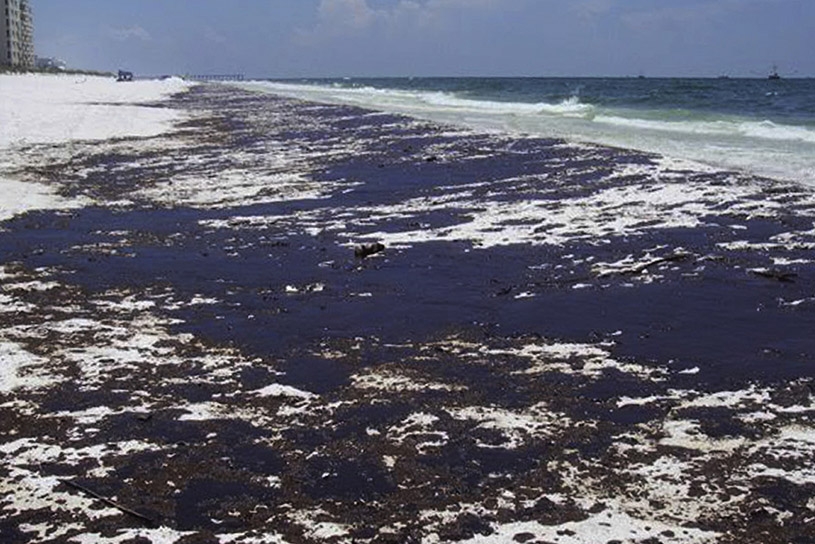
[774, 73]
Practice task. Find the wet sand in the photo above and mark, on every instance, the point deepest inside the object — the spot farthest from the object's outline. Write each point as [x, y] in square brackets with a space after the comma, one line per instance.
[560, 342]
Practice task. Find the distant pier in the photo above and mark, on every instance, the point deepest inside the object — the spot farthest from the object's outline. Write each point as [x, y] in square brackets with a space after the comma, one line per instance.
[216, 77]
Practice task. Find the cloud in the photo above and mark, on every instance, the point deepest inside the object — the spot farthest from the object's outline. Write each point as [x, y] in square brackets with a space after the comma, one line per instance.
[123, 34]
[212, 35]
[353, 14]
[687, 15]
[353, 17]
[589, 9]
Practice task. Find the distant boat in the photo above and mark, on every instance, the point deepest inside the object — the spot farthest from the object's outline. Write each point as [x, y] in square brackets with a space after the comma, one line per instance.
[774, 74]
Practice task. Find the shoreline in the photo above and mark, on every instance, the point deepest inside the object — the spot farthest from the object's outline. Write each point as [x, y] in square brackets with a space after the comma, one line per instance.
[764, 141]
[558, 341]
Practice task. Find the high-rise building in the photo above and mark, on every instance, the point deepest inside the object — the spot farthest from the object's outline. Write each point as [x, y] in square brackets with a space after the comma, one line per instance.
[16, 34]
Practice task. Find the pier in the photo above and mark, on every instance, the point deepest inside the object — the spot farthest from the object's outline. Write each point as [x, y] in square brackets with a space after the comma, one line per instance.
[216, 77]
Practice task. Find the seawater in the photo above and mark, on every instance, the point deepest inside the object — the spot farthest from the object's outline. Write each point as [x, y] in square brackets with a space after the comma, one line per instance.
[759, 126]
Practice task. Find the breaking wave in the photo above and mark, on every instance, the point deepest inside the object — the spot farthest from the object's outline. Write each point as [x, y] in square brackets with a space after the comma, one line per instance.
[758, 146]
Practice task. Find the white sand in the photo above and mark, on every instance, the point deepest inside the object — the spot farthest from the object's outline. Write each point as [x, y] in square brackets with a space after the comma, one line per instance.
[49, 109]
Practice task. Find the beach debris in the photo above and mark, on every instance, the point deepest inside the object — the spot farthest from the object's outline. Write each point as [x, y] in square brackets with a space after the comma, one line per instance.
[774, 274]
[643, 267]
[673, 257]
[366, 250]
[132, 513]
[310, 288]
[505, 291]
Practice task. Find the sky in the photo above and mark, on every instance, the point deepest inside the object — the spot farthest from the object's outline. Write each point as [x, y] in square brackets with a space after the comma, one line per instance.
[356, 38]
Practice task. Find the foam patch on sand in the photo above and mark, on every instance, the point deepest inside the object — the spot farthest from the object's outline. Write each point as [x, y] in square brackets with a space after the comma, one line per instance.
[418, 431]
[161, 535]
[383, 379]
[499, 213]
[606, 526]
[591, 361]
[536, 422]
[34, 491]
[663, 202]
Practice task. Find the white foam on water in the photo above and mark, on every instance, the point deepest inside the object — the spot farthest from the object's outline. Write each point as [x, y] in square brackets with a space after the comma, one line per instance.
[753, 129]
[316, 524]
[752, 396]
[246, 538]
[803, 476]
[205, 411]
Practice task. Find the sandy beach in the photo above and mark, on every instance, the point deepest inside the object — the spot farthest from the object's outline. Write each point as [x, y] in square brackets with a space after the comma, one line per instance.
[560, 342]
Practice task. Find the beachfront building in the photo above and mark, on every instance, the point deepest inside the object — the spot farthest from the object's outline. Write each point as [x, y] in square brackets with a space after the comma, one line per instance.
[16, 34]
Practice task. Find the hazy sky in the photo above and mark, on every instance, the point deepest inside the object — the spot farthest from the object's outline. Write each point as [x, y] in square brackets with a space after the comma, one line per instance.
[300, 38]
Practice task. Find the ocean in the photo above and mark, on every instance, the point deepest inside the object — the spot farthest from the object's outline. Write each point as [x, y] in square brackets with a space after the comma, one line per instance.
[758, 126]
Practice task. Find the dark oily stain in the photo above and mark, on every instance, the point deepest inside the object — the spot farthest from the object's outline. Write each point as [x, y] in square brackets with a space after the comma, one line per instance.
[467, 467]
[608, 387]
[160, 427]
[255, 458]
[465, 527]
[71, 398]
[354, 421]
[256, 377]
[354, 480]
[788, 494]
[791, 394]
[165, 427]
[632, 415]
[718, 422]
[10, 532]
[366, 250]
[210, 504]
[429, 288]
[315, 374]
